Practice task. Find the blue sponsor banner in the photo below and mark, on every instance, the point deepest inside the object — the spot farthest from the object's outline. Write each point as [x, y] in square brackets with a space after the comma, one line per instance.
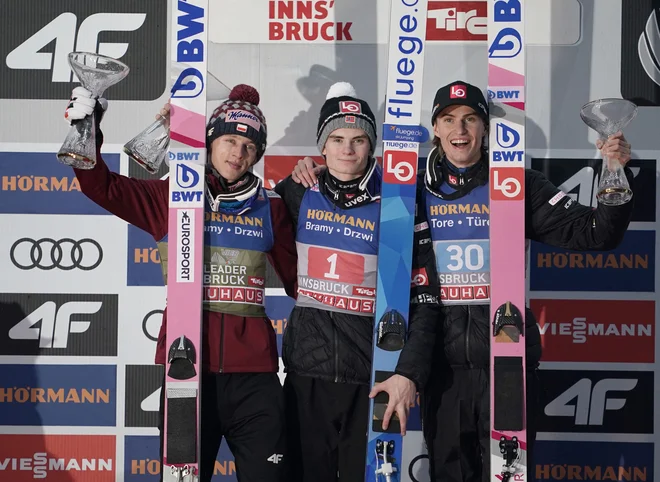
[393, 132]
[278, 309]
[143, 259]
[37, 183]
[57, 395]
[563, 460]
[142, 463]
[629, 267]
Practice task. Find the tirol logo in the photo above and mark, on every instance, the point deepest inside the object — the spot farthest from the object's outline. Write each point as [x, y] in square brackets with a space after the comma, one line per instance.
[458, 91]
[507, 44]
[42, 395]
[32, 183]
[562, 460]
[640, 52]
[58, 458]
[59, 324]
[596, 330]
[579, 179]
[63, 254]
[143, 395]
[350, 106]
[34, 51]
[596, 401]
[457, 21]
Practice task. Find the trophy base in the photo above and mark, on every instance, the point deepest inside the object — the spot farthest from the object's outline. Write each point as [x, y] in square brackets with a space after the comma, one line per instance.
[614, 196]
[76, 160]
[140, 162]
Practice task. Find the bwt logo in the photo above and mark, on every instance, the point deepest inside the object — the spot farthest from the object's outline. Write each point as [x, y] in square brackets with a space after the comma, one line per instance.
[590, 402]
[54, 324]
[190, 83]
[187, 178]
[507, 44]
[507, 138]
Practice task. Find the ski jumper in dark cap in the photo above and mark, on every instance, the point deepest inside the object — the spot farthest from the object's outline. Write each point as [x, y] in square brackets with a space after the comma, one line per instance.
[242, 398]
[453, 191]
[327, 345]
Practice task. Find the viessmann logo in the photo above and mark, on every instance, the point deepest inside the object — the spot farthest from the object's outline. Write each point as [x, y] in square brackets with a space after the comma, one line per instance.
[34, 49]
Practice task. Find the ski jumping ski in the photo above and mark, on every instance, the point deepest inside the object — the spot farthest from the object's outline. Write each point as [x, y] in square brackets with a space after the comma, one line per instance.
[402, 135]
[185, 253]
[506, 93]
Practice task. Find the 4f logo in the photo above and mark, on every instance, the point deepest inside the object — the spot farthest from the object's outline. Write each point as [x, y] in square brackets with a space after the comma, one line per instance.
[275, 458]
[591, 401]
[507, 184]
[52, 325]
[72, 34]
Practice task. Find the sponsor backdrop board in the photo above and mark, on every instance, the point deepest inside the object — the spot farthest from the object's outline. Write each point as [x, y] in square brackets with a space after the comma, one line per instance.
[81, 292]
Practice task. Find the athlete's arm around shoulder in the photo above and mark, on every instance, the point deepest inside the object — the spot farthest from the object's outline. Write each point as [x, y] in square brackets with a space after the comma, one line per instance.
[292, 194]
[283, 256]
[554, 218]
[142, 203]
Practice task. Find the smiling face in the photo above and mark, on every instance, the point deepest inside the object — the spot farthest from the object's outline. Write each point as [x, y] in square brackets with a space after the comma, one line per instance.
[346, 153]
[461, 132]
[232, 155]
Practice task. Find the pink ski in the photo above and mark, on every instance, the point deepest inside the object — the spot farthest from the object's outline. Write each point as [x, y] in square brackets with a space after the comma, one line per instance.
[506, 93]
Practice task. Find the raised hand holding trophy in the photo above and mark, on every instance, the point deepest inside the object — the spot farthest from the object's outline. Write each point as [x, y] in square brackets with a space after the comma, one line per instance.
[608, 116]
[96, 73]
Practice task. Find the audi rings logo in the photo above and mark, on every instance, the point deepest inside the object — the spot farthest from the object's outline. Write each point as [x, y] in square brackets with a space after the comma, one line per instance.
[418, 467]
[151, 324]
[65, 254]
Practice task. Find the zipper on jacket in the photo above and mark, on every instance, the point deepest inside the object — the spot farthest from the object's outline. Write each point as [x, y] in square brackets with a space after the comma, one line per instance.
[336, 347]
[467, 337]
[222, 343]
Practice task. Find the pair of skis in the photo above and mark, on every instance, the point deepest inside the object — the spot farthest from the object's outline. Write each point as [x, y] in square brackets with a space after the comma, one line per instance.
[506, 91]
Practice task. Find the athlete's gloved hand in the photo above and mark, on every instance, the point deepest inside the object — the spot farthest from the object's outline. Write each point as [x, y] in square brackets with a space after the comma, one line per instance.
[81, 104]
[615, 147]
[306, 172]
[401, 393]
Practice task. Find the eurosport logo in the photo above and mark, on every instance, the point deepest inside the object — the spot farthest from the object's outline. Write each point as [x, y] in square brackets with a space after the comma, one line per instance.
[143, 259]
[143, 395]
[614, 331]
[579, 178]
[35, 183]
[59, 324]
[640, 52]
[58, 458]
[34, 50]
[597, 461]
[64, 254]
[630, 267]
[42, 395]
[596, 401]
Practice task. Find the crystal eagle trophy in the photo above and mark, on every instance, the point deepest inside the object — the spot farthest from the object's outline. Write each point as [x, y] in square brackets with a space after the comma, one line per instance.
[96, 73]
[608, 116]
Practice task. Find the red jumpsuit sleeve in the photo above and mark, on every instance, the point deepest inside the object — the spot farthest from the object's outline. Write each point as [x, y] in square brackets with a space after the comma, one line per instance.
[142, 203]
[283, 255]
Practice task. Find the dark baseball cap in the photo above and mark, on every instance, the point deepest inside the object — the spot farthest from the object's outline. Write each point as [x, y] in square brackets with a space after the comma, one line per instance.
[460, 93]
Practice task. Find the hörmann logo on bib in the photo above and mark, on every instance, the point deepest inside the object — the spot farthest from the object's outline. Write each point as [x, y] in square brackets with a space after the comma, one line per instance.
[34, 50]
